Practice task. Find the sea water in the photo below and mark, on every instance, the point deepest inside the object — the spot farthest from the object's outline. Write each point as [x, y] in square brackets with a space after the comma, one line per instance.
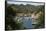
[27, 22]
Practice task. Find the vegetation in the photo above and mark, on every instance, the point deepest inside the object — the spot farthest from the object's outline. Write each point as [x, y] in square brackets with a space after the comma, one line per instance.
[41, 19]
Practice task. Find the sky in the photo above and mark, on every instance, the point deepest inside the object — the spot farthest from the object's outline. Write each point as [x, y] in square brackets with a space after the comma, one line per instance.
[13, 2]
[25, 0]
